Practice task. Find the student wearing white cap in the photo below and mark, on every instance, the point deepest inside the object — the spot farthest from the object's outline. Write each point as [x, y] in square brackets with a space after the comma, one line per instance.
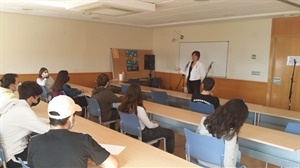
[62, 148]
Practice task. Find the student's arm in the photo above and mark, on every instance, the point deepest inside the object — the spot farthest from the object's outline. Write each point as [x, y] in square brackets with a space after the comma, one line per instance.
[230, 152]
[72, 92]
[110, 162]
[142, 115]
[112, 98]
[99, 155]
[30, 121]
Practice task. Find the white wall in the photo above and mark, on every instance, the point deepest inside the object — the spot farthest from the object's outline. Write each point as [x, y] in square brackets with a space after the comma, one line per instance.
[30, 42]
[245, 38]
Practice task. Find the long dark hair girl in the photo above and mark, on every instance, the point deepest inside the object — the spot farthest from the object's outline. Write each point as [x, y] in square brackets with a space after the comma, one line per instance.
[133, 98]
[61, 79]
[228, 119]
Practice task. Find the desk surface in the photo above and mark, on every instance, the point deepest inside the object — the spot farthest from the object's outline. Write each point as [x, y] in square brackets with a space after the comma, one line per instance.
[136, 153]
[258, 134]
[263, 135]
[260, 109]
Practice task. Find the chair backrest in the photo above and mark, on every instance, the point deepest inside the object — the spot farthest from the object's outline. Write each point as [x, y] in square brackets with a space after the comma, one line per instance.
[2, 157]
[93, 107]
[204, 148]
[134, 81]
[124, 88]
[23, 163]
[130, 124]
[160, 97]
[155, 82]
[201, 108]
[293, 128]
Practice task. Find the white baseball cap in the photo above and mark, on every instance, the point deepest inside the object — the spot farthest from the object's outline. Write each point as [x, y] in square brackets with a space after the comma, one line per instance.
[63, 105]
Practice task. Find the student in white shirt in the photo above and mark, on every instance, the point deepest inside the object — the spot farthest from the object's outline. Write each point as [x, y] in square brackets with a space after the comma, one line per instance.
[46, 81]
[9, 84]
[18, 121]
[226, 123]
[133, 104]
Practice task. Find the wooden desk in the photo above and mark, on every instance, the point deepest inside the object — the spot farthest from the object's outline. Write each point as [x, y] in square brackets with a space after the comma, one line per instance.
[136, 153]
[272, 146]
[258, 110]
[265, 144]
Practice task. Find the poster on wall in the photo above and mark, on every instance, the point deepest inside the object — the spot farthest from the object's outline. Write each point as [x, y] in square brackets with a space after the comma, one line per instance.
[132, 62]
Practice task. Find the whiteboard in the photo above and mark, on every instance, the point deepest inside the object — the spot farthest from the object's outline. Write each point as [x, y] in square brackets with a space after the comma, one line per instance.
[215, 51]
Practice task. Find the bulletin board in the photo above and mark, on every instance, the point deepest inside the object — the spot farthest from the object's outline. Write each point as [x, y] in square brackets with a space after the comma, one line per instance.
[129, 61]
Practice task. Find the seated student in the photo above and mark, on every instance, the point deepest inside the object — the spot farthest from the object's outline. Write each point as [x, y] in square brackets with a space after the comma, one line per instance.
[106, 98]
[9, 84]
[206, 96]
[133, 104]
[18, 121]
[45, 80]
[62, 148]
[60, 84]
[226, 123]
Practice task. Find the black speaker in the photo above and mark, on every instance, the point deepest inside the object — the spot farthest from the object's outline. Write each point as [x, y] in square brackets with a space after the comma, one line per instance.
[149, 62]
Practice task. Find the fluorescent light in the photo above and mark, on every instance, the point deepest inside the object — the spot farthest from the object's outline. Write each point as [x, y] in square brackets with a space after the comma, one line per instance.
[111, 11]
[60, 4]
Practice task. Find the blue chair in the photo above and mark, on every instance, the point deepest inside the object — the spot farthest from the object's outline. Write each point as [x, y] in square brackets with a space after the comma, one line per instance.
[293, 128]
[205, 148]
[2, 157]
[155, 82]
[160, 97]
[130, 124]
[94, 109]
[134, 81]
[124, 88]
[201, 108]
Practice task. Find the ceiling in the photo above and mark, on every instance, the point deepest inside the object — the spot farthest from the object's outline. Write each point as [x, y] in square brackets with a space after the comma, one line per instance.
[155, 13]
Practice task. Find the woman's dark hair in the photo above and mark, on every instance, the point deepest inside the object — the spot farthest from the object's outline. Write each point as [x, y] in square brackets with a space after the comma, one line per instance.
[102, 79]
[61, 79]
[133, 98]
[197, 53]
[228, 119]
[7, 79]
[42, 70]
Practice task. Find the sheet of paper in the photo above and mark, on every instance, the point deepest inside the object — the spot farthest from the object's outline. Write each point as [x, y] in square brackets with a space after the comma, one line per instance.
[113, 149]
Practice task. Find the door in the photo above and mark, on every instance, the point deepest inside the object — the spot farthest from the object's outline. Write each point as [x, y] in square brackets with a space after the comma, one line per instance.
[281, 74]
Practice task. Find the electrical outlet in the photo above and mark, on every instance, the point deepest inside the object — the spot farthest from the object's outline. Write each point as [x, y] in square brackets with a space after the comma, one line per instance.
[253, 56]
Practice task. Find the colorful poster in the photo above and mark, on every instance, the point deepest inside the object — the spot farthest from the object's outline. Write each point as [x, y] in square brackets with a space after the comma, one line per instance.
[132, 62]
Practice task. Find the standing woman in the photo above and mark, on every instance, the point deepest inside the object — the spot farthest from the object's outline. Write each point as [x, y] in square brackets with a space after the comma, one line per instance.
[133, 104]
[194, 73]
[45, 81]
[60, 84]
[226, 123]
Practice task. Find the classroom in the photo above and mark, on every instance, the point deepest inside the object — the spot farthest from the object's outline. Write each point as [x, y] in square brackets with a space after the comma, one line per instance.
[259, 45]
